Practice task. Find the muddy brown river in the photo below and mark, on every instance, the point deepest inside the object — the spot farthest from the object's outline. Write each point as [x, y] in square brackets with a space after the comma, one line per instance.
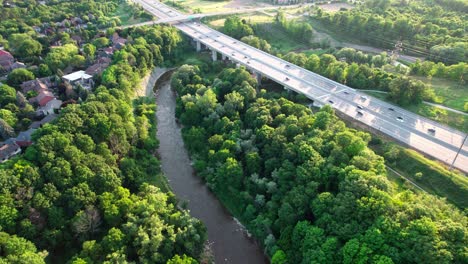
[226, 237]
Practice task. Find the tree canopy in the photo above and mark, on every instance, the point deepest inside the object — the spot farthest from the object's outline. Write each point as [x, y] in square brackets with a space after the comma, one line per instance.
[305, 185]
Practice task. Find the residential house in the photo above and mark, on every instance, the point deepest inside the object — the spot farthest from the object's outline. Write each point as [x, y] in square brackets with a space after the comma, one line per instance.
[106, 52]
[79, 78]
[50, 107]
[6, 60]
[76, 21]
[8, 149]
[24, 138]
[45, 120]
[17, 65]
[36, 85]
[97, 68]
[77, 39]
[44, 97]
[117, 41]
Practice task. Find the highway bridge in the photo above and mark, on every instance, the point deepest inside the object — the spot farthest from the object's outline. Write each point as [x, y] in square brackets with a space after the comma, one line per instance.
[438, 141]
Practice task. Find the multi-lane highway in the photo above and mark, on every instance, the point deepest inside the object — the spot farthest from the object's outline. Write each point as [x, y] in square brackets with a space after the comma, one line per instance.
[425, 135]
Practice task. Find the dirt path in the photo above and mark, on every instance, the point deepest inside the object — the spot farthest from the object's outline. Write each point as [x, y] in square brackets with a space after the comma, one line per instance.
[446, 108]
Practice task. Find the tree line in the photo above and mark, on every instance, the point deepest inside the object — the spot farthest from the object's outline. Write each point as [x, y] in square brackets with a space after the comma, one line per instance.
[402, 89]
[84, 191]
[424, 29]
[305, 185]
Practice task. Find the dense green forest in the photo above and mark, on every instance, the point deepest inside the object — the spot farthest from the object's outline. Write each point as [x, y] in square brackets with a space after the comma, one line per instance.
[84, 191]
[429, 28]
[305, 185]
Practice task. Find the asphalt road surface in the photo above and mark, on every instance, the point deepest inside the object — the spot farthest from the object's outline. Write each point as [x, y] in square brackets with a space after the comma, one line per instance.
[422, 134]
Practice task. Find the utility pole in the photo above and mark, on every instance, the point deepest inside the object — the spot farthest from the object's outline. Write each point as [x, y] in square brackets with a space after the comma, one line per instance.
[458, 152]
[398, 48]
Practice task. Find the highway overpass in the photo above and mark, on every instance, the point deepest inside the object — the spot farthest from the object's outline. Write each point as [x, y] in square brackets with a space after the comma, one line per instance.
[422, 134]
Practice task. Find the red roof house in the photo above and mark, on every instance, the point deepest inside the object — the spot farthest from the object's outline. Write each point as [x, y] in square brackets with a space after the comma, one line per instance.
[42, 98]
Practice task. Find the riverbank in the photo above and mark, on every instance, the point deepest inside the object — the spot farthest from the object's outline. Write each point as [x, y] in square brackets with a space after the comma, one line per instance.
[149, 81]
[226, 237]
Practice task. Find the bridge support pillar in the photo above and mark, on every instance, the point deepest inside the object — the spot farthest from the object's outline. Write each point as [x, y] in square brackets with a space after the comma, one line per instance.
[214, 55]
[198, 45]
[258, 77]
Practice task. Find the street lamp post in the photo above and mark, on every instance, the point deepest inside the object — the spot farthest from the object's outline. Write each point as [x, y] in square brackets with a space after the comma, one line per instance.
[458, 152]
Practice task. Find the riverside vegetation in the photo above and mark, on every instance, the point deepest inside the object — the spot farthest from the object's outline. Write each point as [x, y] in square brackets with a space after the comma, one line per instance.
[85, 191]
[304, 184]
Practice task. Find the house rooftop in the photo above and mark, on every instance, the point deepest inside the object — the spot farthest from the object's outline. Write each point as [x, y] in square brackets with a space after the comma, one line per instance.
[24, 137]
[7, 150]
[77, 76]
[45, 120]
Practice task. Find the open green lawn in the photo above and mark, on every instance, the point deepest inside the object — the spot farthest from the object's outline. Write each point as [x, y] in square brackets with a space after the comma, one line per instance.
[194, 6]
[449, 93]
[442, 116]
[279, 40]
[125, 13]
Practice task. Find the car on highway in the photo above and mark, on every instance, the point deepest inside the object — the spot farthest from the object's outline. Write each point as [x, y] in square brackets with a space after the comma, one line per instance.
[286, 79]
[331, 102]
[287, 66]
[234, 42]
[360, 113]
[391, 109]
[363, 97]
[233, 54]
[360, 107]
[399, 119]
[431, 130]
[346, 92]
[245, 57]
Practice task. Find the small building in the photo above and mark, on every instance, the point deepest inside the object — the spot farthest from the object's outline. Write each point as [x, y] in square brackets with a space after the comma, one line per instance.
[79, 78]
[8, 149]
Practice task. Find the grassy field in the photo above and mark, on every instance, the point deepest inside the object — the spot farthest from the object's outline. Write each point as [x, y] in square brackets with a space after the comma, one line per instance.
[430, 175]
[448, 92]
[279, 40]
[201, 6]
[399, 183]
[125, 13]
[442, 116]
[434, 177]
